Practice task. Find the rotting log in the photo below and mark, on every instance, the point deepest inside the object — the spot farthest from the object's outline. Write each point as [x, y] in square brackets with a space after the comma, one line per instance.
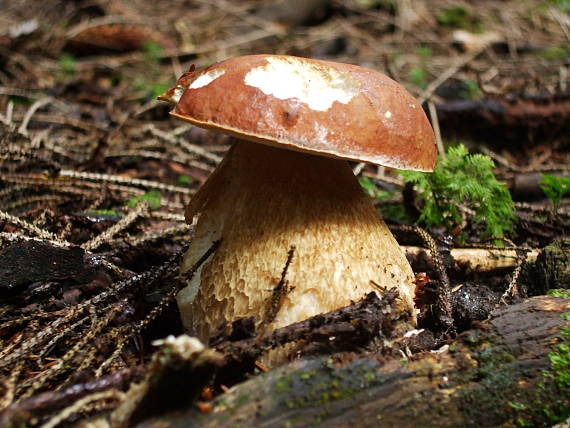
[490, 376]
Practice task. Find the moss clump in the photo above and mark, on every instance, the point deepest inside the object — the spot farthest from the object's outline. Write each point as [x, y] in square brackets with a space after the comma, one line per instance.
[543, 404]
[318, 387]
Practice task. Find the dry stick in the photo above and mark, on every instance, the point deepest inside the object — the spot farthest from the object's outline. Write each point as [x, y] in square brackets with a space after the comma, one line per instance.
[512, 287]
[33, 108]
[48, 346]
[524, 169]
[86, 361]
[448, 74]
[7, 119]
[65, 185]
[81, 404]
[445, 315]
[44, 234]
[157, 310]
[10, 386]
[140, 210]
[93, 176]
[167, 157]
[64, 120]
[189, 147]
[436, 130]
[161, 215]
[123, 338]
[560, 19]
[67, 357]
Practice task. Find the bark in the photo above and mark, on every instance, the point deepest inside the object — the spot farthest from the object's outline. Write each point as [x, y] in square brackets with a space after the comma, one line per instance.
[490, 376]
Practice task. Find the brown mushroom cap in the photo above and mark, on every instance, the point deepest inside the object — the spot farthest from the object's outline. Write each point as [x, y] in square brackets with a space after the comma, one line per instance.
[320, 107]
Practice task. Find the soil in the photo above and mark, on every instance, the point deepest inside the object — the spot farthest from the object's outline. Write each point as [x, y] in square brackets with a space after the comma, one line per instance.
[95, 176]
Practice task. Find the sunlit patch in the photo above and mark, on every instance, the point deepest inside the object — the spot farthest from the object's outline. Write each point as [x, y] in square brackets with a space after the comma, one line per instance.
[207, 78]
[388, 114]
[317, 85]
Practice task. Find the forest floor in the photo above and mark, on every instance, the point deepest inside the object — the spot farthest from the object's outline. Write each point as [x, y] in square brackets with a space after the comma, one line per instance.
[95, 175]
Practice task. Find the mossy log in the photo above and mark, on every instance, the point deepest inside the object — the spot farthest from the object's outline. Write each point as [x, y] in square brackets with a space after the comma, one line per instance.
[499, 374]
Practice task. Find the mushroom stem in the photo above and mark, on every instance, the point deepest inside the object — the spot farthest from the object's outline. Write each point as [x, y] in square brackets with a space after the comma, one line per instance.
[262, 201]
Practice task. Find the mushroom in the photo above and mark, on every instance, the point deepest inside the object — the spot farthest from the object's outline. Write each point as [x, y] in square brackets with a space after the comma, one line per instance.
[285, 194]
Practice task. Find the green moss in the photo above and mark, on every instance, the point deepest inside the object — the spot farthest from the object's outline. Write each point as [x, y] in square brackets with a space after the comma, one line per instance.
[497, 381]
[321, 386]
[283, 384]
[463, 179]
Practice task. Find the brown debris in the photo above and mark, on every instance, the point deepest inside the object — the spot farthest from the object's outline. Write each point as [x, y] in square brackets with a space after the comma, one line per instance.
[352, 327]
[536, 117]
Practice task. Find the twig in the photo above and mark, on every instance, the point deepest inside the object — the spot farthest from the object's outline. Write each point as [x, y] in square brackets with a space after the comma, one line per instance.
[189, 147]
[140, 210]
[279, 292]
[436, 130]
[44, 234]
[448, 73]
[445, 308]
[80, 404]
[93, 176]
[33, 108]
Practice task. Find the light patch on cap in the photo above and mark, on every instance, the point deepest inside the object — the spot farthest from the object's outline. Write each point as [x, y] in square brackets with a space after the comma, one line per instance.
[388, 114]
[207, 78]
[177, 94]
[317, 85]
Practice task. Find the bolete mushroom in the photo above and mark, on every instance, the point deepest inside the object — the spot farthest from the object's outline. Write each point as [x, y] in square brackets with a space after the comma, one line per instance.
[286, 185]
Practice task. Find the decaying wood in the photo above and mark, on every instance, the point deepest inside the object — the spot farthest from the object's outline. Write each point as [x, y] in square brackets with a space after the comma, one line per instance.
[490, 376]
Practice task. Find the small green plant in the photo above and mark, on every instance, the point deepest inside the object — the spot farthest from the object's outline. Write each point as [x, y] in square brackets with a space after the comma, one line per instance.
[472, 90]
[152, 51]
[468, 180]
[67, 63]
[458, 17]
[152, 197]
[555, 188]
[560, 293]
[184, 180]
[150, 83]
[394, 212]
[559, 372]
[419, 74]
